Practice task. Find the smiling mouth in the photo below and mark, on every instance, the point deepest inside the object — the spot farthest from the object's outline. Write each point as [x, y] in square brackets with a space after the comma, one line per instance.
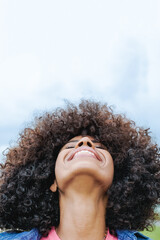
[85, 153]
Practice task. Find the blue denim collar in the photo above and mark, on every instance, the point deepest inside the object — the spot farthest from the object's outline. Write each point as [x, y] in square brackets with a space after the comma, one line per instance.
[130, 235]
[27, 235]
[34, 235]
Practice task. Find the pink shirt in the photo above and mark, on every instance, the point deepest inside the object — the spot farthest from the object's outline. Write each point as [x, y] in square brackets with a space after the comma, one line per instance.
[53, 236]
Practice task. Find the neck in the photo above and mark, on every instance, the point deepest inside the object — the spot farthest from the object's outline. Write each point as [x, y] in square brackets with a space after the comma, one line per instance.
[82, 215]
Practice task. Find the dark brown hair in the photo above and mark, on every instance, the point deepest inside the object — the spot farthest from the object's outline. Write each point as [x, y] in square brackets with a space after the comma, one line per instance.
[26, 201]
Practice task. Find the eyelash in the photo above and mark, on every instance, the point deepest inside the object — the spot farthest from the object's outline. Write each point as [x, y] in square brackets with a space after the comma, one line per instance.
[73, 147]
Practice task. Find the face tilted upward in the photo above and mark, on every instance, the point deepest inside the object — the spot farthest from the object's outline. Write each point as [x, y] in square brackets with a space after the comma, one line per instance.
[84, 155]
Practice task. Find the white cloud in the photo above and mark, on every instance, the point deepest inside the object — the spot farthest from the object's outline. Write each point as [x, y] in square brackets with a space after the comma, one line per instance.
[20, 80]
[102, 49]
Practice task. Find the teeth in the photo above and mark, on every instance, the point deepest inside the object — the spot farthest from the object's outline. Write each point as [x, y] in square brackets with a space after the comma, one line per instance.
[84, 151]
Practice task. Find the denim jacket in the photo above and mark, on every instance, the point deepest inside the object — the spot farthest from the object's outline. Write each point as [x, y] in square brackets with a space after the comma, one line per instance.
[34, 235]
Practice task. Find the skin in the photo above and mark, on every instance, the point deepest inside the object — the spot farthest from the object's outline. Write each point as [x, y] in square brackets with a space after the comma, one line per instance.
[82, 183]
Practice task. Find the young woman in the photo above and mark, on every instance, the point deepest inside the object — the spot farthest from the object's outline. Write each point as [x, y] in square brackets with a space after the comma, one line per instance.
[80, 173]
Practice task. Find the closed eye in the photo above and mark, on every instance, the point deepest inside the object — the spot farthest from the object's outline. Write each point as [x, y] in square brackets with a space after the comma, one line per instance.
[95, 147]
[100, 147]
[69, 147]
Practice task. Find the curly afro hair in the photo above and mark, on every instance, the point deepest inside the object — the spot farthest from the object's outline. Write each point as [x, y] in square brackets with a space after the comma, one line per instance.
[26, 201]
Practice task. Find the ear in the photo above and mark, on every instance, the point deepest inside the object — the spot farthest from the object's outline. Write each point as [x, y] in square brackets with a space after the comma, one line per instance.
[54, 186]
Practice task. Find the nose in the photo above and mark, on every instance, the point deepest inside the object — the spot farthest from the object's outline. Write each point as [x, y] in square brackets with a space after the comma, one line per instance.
[85, 141]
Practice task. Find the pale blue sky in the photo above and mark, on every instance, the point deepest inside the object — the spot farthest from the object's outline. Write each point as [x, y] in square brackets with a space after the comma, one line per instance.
[54, 50]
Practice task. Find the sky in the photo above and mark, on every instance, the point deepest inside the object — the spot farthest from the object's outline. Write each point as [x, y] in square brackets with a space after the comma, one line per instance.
[55, 50]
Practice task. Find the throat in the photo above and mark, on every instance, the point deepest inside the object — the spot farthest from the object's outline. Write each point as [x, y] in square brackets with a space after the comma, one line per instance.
[82, 218]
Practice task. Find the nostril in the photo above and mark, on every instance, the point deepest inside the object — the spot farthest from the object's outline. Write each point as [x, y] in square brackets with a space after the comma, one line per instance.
[80, 144]
[89, 144]
[85, 143]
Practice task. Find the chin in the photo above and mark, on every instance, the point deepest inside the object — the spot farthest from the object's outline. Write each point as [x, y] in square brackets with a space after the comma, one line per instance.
[82, 176]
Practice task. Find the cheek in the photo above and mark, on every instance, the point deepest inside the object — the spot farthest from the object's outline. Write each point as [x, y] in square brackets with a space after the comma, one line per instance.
[111, 164]
[109, 168]
[60, 172]
[60, 166]
[59, 162]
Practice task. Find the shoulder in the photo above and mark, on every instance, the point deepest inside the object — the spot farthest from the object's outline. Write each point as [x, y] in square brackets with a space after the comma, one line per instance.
[130, 235]
[27, 235]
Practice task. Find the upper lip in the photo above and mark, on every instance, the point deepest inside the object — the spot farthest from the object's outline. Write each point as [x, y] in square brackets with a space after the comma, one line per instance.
[70, 157]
